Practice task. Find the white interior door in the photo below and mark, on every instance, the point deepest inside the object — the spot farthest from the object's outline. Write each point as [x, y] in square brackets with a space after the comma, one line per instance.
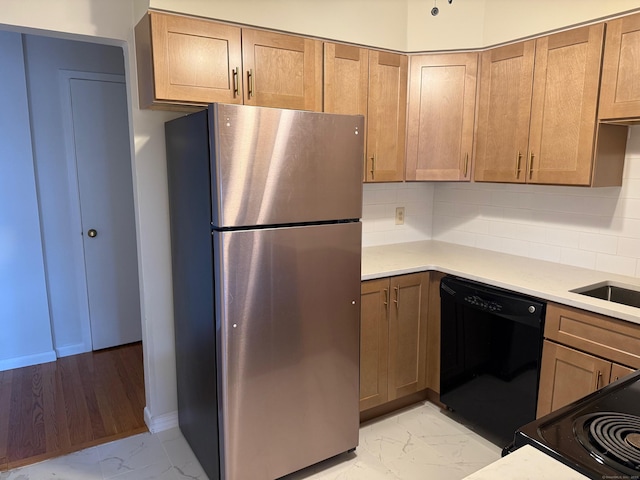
[103, 163]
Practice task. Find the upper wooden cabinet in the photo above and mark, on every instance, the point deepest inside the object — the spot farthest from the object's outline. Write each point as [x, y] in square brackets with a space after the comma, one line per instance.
[386, 117]
[620, 91]
[186, 61]
[564, 106]
[565, 143]
[442, 99]
[346, 83]
[504, 110]
[282, 71]
[346, 79]
[359, 81]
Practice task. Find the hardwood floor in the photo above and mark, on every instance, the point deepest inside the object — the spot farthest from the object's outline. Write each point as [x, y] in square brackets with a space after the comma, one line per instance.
[75, 402]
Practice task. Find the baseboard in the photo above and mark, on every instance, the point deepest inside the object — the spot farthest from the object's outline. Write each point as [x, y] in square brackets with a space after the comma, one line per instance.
[28, 360]
[72, 350]
[393, 405]
[160, 422]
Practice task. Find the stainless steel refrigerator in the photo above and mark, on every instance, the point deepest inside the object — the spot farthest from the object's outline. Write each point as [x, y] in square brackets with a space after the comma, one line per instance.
[265, 209]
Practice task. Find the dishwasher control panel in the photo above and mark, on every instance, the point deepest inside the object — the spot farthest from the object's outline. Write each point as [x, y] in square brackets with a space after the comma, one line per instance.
[477, 301]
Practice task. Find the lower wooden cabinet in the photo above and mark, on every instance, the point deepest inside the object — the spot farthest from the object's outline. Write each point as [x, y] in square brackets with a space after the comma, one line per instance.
[619, 371]
[567, 375]
[393, 338]
[583, 352]
[374, 343]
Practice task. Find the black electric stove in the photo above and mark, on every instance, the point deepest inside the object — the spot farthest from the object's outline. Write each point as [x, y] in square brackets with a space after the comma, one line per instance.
[599, 435]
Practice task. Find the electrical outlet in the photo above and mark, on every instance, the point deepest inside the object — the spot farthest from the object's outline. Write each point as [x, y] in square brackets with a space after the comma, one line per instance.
[399, 215]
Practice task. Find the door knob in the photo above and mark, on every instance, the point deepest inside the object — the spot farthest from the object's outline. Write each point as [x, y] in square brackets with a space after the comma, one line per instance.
[92, 232]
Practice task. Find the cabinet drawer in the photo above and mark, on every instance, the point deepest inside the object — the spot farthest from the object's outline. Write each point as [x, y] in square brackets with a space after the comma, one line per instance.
[606, 337]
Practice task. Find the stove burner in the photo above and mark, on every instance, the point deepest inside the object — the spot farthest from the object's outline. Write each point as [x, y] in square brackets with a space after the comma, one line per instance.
[634, 440]
[611, 438]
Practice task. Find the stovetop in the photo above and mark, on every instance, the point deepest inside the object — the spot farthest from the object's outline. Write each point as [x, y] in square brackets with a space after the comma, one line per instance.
[599, 435]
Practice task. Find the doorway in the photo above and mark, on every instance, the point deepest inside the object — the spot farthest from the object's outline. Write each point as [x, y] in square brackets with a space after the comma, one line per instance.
[67, 79]
[94, 108]
[34, 389]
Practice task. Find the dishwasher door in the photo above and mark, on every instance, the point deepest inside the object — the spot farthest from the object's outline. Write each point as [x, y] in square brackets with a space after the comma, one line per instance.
[491, 345]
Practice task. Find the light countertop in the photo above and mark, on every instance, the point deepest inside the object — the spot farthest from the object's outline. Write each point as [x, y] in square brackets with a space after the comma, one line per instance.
[546, 280]
[526, 463]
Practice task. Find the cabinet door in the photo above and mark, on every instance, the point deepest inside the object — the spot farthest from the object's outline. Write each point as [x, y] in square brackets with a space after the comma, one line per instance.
[386, 116]
[504, 108]
[620, 90]
[193, 61]
[442, 99]
[408, 334]
[564, 106]
[619, 371]
[346, 81]
[282, 71]
[567, 375]
[433, 332]
[374, 341]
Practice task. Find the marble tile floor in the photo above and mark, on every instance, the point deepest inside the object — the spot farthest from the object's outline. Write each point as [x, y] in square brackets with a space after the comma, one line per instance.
[419, 442]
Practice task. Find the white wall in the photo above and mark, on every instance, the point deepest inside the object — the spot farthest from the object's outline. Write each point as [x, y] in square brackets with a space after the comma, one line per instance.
[506, 20]
[597, 228]
[377, 23]
[24, 312]
[468, 24]
[459, 25]
[44, 57]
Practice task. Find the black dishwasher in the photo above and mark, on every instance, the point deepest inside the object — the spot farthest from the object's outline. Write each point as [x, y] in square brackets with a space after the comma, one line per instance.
[491, 344]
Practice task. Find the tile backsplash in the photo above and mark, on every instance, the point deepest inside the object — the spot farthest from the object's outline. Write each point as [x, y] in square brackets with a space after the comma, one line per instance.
[379, 204]
[597, 228]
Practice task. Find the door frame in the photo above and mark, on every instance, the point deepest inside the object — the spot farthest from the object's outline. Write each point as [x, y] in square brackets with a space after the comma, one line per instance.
[64, 78]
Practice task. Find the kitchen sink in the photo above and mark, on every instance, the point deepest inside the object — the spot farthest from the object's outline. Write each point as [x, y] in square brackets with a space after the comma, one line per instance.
[618, 293]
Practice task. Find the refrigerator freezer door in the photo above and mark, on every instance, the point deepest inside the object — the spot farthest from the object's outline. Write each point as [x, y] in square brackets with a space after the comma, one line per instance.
[272, 166]
[288, 310]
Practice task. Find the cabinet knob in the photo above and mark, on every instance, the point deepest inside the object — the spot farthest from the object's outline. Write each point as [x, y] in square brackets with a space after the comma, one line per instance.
[92, 233]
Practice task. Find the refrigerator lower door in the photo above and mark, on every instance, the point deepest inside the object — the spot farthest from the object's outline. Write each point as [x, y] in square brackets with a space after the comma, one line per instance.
[288, 311]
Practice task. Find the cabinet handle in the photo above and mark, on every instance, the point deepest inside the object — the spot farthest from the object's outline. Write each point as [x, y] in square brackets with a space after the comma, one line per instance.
[397, 294]
[518, 161]
[466, 164]
[373, 167]
[386, 298]
[235, 82]
[250, 82]
[598, 376]
[531, 157]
